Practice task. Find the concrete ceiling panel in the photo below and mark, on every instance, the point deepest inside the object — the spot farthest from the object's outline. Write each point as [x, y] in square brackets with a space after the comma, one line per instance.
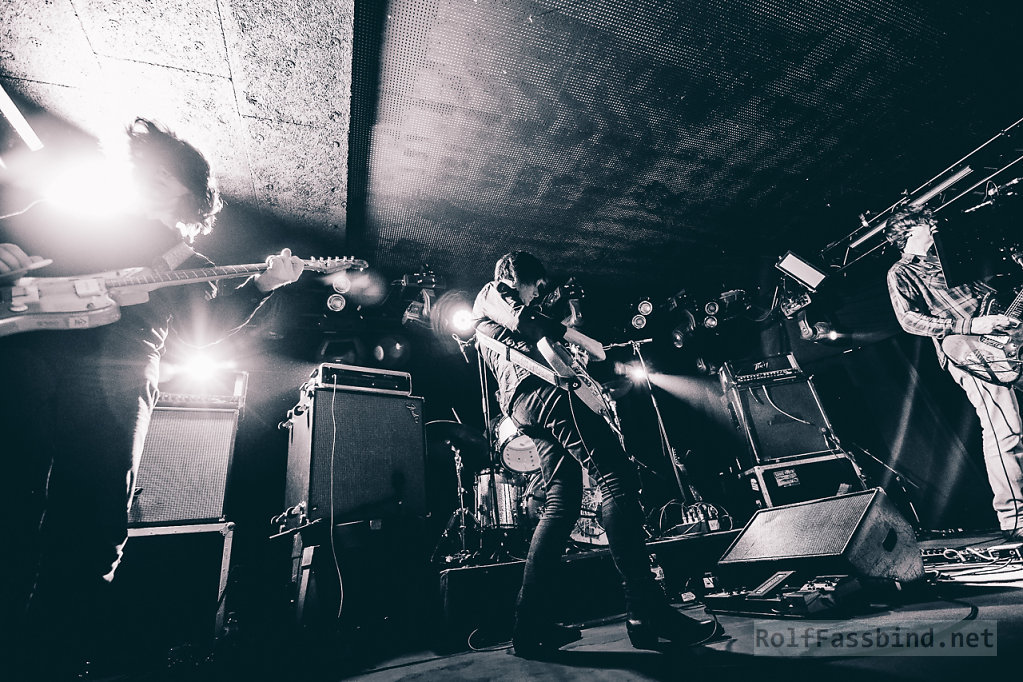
[292, 60]
[44, 42]
[299, 172]
[182, 34]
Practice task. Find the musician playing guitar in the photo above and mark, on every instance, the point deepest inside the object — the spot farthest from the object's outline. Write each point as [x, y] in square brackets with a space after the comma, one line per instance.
[926, 306]
[568, 435]
[76, 403]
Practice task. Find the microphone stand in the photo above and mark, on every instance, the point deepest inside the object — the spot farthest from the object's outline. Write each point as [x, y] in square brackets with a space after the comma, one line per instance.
[686, 490]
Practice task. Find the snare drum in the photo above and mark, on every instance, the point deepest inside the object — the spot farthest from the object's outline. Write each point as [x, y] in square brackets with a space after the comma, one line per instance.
[498, 497]
[518, 452]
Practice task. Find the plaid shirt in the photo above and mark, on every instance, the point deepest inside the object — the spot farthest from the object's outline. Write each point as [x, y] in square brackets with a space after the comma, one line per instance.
[926, 306]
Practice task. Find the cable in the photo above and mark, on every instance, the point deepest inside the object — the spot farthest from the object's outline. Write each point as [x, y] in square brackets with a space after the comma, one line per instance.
[24, 210]
[333, 542]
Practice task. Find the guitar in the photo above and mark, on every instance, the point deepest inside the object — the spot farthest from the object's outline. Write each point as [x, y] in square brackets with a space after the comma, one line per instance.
[572, 374]
[34, 303]
[995, 357]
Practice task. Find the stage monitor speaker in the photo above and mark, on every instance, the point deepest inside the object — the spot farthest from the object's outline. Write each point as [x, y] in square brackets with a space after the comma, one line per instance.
[358, 453]
[861, 534]
[185, 464]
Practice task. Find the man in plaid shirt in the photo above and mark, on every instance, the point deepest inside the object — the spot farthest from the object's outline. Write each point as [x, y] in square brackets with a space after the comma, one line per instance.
[926, 306]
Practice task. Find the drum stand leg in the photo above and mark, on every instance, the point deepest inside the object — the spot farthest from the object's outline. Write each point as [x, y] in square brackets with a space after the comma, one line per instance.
[459, 517]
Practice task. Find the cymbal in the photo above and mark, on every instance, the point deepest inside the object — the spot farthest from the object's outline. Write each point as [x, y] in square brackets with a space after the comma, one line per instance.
[443, 436]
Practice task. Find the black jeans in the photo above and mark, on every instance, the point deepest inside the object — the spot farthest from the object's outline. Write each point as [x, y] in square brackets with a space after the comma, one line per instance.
[568, 436]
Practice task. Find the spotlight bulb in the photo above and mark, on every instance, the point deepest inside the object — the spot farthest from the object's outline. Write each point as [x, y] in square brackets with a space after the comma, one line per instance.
[711, 308]
[336, 302]
[639, 321]
[710, 322]
[645, 307]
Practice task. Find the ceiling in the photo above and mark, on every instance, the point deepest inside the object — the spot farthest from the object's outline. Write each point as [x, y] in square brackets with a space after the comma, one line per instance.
[642, 146]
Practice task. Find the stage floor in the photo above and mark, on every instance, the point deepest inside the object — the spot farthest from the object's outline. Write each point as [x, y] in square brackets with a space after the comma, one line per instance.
[604, 653]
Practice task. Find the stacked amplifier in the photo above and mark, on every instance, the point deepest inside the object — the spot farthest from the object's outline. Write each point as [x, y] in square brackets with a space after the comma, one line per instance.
[792, 454]
[356, 449]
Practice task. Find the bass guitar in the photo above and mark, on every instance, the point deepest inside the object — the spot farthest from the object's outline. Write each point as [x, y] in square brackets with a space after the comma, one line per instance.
[994, 358]
[34, 303]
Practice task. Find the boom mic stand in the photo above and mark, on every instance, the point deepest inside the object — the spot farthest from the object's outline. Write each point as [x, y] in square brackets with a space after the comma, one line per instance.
[686, 490]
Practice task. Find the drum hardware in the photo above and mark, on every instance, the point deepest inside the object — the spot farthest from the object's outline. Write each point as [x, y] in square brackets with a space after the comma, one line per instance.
[518, 452]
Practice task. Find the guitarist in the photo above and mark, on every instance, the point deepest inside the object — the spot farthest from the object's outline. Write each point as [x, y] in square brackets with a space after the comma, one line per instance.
[568, 436]
[76, 405]
[926, 306]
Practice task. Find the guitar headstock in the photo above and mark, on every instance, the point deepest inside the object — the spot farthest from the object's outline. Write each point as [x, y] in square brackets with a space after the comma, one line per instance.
[328, 266]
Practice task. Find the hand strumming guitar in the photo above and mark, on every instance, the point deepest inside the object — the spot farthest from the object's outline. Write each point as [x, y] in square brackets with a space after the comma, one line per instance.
[14, 262]
[987, 324]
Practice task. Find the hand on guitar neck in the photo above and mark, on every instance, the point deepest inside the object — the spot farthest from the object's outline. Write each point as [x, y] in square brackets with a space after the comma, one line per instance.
[591, 346]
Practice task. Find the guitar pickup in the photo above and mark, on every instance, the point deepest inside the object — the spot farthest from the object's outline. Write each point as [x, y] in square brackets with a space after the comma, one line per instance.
[89, 287]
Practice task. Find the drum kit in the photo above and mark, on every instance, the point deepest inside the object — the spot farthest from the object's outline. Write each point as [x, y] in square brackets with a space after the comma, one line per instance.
[496, 517]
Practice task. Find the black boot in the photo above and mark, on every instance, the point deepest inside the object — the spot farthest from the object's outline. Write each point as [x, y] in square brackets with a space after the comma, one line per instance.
[647, 630]
[541, 641]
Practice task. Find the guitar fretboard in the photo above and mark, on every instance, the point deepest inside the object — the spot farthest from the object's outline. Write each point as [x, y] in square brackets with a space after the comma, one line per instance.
[196, 275]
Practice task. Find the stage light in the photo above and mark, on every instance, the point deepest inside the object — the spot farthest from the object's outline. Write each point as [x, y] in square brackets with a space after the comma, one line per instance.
[391, 351]
[710, 322]
[196, 371]
[462, 320]
[678, 337]
[342, 283]
[638, 321]
[800, 270]
[712, 307]
[636, 372]
[336, 302]
[645, 307]
[94, 188]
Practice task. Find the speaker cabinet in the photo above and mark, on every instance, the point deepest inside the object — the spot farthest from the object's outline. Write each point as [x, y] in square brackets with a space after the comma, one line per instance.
[356, 455]
[861, 534]
[781, 420]
[185, 464]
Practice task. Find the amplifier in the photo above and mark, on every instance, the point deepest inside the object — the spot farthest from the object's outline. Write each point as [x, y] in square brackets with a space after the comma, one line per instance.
[801, 480]
[765, 370]
[353, 378]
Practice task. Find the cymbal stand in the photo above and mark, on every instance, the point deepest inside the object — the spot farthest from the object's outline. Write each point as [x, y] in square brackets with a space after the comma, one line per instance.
[458, 516]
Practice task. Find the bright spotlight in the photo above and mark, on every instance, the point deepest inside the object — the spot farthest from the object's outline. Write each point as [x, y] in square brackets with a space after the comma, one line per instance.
[342, 284]
[462, 320]
[639, 321]
[96, 188]
[710, 322]
[712, 308]
[636, 372]
[645, 307]
[197, 370]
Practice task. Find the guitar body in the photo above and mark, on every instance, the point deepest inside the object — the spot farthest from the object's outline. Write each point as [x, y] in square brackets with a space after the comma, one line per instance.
[991, 358]
[589, 391]
[36, 303]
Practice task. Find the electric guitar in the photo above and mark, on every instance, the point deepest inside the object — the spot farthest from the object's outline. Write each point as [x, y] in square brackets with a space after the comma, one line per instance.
[571, 371]
[33, 303]
[561, 370]
[994, 357]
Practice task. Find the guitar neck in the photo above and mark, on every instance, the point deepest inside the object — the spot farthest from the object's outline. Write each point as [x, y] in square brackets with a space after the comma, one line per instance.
[174, 277]
[1016, 308]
